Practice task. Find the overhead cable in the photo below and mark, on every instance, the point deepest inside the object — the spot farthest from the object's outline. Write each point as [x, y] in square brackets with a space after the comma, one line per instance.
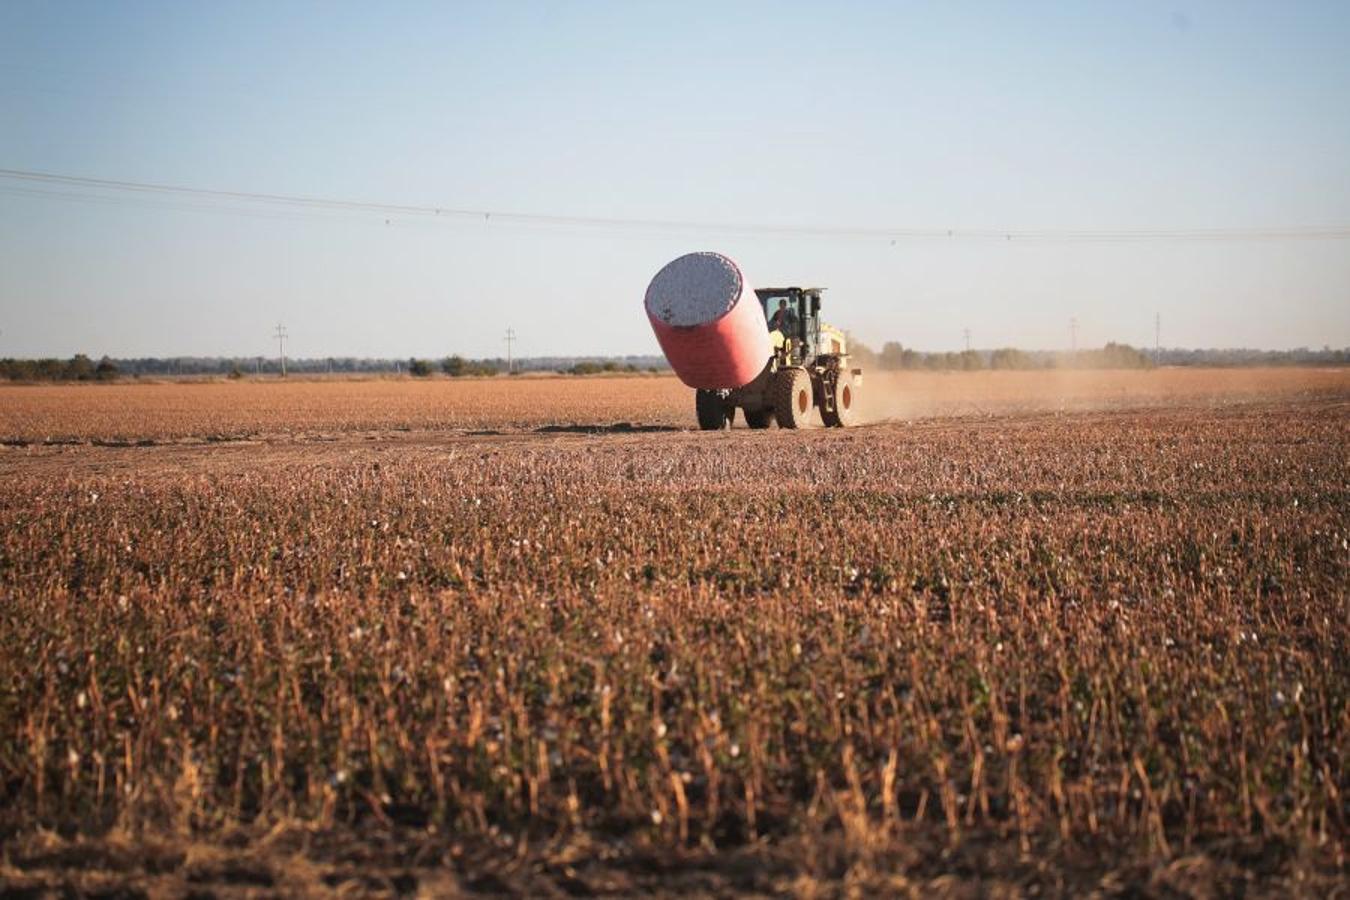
[77, 187]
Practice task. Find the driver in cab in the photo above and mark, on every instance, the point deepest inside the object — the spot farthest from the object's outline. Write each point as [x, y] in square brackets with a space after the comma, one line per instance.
[784, 319]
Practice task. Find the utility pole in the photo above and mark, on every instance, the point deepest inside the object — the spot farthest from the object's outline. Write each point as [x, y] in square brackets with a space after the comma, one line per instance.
[1073, 335]
[966, 332]
[1157, 337]
[509, 339]
[280, 335]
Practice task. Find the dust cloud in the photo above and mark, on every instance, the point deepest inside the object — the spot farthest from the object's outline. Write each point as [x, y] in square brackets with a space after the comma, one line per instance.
[900, 396]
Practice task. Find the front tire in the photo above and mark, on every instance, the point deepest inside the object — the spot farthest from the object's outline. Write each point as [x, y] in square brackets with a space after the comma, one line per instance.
[792, 398]
[713, 412]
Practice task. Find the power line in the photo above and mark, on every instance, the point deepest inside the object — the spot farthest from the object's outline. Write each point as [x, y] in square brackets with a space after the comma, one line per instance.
[487, 216]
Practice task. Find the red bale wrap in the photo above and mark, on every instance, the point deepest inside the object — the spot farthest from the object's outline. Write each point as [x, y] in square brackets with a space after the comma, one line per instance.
[709, 322]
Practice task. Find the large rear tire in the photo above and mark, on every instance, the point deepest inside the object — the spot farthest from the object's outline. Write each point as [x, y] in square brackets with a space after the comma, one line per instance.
[713, 412]
[845, 412]
[792, 397]
[759, 418]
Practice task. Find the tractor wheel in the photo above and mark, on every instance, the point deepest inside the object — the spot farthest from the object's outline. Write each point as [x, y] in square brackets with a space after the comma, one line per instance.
[845, 411]
[712, 411]
[759, 418]
[792, 397]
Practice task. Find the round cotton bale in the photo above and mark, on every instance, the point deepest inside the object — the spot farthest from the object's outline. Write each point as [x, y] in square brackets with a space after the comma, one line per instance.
[708, 321]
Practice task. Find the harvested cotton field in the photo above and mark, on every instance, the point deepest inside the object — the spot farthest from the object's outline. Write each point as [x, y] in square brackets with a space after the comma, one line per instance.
[385, 637]
[223, 410]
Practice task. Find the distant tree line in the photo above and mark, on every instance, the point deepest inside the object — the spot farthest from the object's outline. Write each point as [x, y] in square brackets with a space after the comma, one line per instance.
[892, 356]
[82, 368]
[458, 366]
[1301, 356]
[78, 368]
[597, 367]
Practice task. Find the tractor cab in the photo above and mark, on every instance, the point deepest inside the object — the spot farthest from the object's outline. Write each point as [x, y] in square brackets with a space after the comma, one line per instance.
[793, 316]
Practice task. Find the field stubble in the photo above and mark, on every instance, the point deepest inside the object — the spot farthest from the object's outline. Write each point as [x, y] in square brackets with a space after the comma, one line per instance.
[1105, 650]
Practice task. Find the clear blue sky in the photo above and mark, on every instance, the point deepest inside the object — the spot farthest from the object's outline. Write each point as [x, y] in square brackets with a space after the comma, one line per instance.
[1179, 115]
